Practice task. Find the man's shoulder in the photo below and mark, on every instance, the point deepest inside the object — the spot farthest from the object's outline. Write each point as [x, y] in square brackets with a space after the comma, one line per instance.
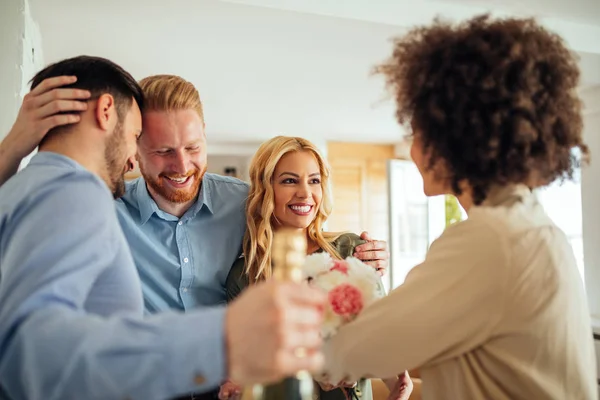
[131, 188]
[227, 181]
[38, 182]
[130, 197]
[226, 185]
[46, 197]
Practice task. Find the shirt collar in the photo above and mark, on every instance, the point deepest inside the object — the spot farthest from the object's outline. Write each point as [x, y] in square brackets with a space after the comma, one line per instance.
[49, 157]
[506, 195]
[148, 206]
[204, 198]
[146, 203]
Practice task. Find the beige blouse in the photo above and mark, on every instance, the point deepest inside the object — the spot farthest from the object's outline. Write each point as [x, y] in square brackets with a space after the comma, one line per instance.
[496, 311]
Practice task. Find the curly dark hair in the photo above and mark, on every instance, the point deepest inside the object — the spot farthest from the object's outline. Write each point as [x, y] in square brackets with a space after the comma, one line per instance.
[494, 100]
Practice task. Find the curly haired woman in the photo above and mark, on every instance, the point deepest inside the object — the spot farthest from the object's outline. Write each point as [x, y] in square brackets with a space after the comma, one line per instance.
[497, 310]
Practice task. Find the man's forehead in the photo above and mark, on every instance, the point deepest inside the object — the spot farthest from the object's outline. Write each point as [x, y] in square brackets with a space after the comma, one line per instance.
[166, 135]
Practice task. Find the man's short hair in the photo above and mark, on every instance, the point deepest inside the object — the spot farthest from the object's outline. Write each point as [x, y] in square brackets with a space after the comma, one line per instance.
[99, 76]
[170, 93]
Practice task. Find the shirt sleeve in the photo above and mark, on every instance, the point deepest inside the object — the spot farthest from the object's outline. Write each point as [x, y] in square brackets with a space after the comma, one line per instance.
[447, 306]
[51, 348]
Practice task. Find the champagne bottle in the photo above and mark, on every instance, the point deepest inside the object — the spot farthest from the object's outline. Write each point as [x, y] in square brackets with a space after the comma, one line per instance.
[289, 253]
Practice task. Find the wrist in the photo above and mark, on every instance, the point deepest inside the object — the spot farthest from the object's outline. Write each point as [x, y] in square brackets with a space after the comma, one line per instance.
[10, 150]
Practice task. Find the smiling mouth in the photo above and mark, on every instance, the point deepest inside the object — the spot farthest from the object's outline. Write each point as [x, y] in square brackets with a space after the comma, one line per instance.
[178, 181]
[301, 210]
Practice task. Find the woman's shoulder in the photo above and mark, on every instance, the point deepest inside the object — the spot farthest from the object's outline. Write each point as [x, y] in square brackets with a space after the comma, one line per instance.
[346, 242]
[237, 280]
[238, 266]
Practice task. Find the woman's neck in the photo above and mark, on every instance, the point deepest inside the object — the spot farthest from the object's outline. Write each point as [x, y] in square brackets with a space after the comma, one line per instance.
[311, 245]
[466, 197]
[466, 201]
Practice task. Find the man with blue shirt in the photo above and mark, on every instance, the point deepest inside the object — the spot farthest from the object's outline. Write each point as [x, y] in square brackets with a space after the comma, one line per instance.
[71, 306]
[185, 226]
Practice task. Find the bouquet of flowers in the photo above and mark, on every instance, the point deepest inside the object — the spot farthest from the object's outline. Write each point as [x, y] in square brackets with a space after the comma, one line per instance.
[350, 284]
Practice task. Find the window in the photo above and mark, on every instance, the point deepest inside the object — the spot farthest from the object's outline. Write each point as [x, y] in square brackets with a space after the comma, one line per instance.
[562, 203]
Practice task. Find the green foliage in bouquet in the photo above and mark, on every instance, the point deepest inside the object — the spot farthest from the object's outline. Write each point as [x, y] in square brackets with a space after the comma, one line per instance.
[453, 213]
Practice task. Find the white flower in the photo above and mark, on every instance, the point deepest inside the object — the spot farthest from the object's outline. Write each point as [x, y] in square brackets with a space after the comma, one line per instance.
[318, 271]
[316, 264]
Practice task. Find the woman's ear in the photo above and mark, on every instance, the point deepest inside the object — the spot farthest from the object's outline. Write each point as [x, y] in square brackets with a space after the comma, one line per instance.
[105, 112]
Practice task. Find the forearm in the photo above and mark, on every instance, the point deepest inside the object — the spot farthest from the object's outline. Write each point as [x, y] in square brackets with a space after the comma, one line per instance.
[58, 354]
[423, 320]
[9, 161]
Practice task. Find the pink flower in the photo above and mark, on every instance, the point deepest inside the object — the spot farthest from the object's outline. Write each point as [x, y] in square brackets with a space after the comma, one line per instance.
[346, 300]
[340, 265]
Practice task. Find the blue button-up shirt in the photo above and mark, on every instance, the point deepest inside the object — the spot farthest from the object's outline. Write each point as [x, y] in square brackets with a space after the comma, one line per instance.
[183, 262]
[71, 308]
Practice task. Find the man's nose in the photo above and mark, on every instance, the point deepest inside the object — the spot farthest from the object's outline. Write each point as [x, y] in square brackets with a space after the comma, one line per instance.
[180, 163]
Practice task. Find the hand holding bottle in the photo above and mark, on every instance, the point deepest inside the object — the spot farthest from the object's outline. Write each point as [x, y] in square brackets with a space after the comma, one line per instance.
[273, 331]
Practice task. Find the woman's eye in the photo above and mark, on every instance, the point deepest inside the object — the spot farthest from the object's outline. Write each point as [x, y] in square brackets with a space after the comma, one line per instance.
[288, 180]
[315, 181]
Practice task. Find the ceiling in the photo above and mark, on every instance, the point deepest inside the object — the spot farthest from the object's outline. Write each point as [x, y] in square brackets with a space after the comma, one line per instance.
[580, 11]
[267, 67]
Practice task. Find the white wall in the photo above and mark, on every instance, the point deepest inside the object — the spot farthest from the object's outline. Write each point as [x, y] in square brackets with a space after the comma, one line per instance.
[218, 163]
[12, 28]
[21, 58]
[590, 197]
[260, 72]
[33, 58]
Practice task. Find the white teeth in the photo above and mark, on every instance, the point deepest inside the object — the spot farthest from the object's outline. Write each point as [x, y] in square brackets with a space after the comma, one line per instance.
[178, 180]
[302, 209]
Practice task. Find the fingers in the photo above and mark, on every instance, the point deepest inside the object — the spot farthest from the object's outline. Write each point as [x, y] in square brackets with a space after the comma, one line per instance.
[404, 377]
[402, 388]
[372, 255]
[300, 311]
[302, 317]
[51, 83]
[229, 391]
[326, 386]
[59, 120]
[61, 106]
[303, 294]
[365, 236]
[302, 339]
[374, 245]
[60, 94]
[290, 363]
[285, 319]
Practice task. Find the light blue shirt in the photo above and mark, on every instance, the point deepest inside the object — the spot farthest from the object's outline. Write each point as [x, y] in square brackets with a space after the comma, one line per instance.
[71, 307]
[184, 262]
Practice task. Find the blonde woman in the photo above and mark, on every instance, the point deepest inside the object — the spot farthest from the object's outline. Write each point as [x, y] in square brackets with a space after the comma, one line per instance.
[290, 188]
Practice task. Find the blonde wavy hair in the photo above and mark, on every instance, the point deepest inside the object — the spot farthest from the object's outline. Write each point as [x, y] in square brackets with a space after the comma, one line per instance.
[169, 93]
[261, 202]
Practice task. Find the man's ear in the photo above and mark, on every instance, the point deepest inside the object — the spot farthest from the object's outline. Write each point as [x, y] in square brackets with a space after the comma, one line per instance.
[106, 112]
